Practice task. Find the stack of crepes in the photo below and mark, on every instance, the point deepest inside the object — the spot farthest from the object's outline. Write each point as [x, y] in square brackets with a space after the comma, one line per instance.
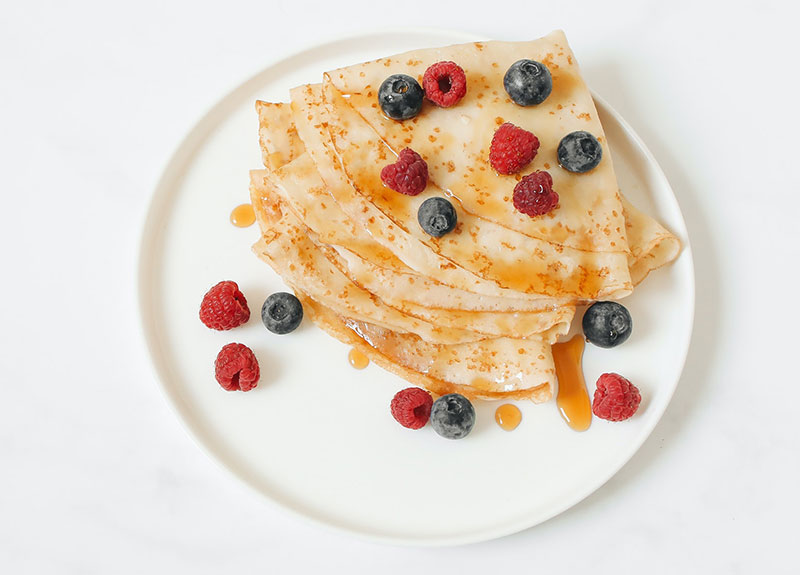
[475, 311]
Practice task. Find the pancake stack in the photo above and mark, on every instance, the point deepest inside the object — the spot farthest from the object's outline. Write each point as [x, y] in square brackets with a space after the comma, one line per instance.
[474, 311]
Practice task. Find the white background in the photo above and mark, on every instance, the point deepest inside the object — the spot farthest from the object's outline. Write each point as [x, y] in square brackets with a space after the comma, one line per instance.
[98, 476]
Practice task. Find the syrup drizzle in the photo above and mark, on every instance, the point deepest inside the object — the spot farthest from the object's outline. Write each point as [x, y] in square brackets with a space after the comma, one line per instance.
[573, 398]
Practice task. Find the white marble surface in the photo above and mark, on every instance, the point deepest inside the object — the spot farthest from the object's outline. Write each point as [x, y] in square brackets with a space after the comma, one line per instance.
[97, 474]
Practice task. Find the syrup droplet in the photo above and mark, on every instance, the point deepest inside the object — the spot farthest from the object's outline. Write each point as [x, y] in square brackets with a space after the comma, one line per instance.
[508, 416]
[357, 359]
[243, 216]
[573, 399]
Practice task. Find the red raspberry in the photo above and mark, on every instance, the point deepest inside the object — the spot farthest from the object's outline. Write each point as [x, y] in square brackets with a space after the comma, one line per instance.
[444, 83]
[615, 398]
[224, 307]
[411, 407]
[512, 148]
[236, 368]
[409, 175]
[534, 194]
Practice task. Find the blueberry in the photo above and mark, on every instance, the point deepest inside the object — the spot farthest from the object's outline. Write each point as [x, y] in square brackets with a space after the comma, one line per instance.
[281, 313]
[400, 97]
[579, 152]
[528, 82]
[452, 416]
[437, 216]
[607, 324]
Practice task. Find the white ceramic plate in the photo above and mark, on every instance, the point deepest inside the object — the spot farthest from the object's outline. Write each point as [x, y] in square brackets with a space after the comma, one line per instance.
[316, 437]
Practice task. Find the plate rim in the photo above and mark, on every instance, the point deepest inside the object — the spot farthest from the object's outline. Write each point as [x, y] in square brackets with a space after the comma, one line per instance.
[160, 194]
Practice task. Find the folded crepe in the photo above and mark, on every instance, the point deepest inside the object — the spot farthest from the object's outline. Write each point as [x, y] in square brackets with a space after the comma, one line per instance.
[476, 310]
[455, 141]
[319, 271]
[510, 259]
[442, 359]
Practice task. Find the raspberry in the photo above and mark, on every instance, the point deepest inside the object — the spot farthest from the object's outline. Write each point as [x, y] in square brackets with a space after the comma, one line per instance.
[444, 83]
[512, 149]
[409, 175]
[534, 194]
[224, 307]
[236, 368]
[411, 407]
[615, 398]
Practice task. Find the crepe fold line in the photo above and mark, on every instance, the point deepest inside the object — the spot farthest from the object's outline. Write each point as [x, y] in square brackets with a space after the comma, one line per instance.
[477, 310]
[277, 135]
[652, 245]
